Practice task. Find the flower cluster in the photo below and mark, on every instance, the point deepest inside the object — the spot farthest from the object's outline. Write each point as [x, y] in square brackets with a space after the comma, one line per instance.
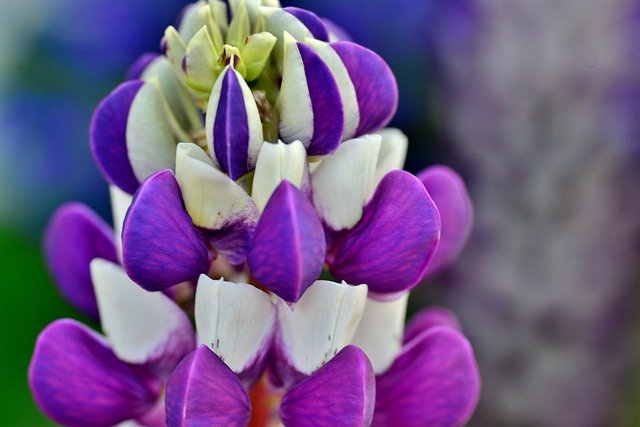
[256, 192]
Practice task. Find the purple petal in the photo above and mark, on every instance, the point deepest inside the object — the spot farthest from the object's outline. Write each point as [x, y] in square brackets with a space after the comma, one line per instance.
[391, 246]
[77, 380]
[137, 68]
[160, 246]
[203, 391]
[434, 382]
[234, 240]
[312, 109]
[231, 128]
[375, 85]
[456, 214]
[108, 136]
[341, 393]
[430, 318]
[311, 21]
[289, 245]
[76, 235]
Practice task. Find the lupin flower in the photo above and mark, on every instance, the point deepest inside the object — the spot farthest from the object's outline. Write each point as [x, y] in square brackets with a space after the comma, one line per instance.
[253, 149]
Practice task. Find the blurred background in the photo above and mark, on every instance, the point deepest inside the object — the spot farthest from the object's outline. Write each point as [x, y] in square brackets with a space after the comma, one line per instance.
[536, 104]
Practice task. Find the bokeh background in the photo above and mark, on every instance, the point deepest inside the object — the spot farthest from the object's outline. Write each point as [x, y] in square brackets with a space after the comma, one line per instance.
[536, 104]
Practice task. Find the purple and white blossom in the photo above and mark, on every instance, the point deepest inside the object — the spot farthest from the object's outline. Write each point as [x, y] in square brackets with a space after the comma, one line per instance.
[263, 197]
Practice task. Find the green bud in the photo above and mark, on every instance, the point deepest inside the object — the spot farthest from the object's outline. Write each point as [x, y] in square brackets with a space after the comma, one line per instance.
[175, 48]
[256, 52]
[219, 13]
[231, 55]
[205, 18]
[240, 26]
[200, 62]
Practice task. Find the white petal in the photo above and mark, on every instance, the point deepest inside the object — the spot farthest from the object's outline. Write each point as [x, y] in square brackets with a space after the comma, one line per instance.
[345, 85]
[211, 198]
[120, 202]
[343, 182]
[380, 331]
[296, 114]
[393, 152]
[278, 21]
[235, 320]
[323, 322]
[188, 27]
[150, 140]
[276, 163]
[140, 325]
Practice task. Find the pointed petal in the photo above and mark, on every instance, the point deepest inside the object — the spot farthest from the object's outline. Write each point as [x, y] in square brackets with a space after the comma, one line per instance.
[288, 249]
[161, 248]
[450, 195]
[75, 235]
[340, 205]
[391, 246]
[322, 322]
[203, 391]
[435, 381]
[393, 152]
[120, 202]
[345, 85]
[216, 203]
[108, 136]
[310, 103]
[276, 163]
[233, 127]
[151, 144]
[143, 327]
[137, 68]
[236, 321]
[311, 21]
[430, 318]
[198, 63]
[375, 85]
[77, 380]
[379, 333]
[341, 393]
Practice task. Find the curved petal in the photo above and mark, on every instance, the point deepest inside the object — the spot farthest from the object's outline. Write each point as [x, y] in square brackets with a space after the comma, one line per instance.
[108, 136]
[435, 381]
[143, 327]
[203, 391]
[77, 380]
[393, 152]
[341, 393]
[310, 103]
[137, 68]
[379, 333]
[430, 318]
[450, 195]
[345, 85]
[76, 235]
[339, 205]
[391, 246]
[311, 21]
[236, 321]
[288, 249]
[277, 162]
[160, 246]
[277, 21]
[375, 84]
[233, 126]
[322, 322]
[216, 203]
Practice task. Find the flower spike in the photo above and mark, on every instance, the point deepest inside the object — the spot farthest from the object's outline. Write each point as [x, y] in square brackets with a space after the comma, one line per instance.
[289, 246]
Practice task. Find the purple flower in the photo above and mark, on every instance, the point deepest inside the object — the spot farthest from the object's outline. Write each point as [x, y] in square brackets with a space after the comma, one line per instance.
[255, 152]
